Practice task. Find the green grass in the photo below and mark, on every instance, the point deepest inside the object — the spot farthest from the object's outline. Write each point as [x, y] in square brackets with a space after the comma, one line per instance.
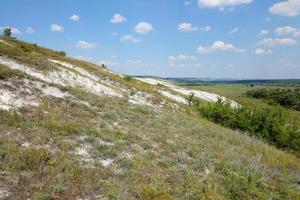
[156, 154]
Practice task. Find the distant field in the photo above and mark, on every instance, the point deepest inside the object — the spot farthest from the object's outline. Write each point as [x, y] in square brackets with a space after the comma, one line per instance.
[237, 93]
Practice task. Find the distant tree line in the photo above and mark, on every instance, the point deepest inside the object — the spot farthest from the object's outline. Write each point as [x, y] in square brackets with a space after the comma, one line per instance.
[289, 98]
[272, 125]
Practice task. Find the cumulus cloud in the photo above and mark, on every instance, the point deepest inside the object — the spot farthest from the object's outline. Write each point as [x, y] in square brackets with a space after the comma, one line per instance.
[183, 61]
[186, 27]
[206, 28]
[56, 28]
[108, 63]
[29, 30]
[143, 27]
[14, 30]
[234, 30]
[118, 19]
[285, 30]
[263, 32]
[222, 3]
[219, 46]
[75, 18]
[129, 38]
[290, 8]
[277, 42]
[260, 51]
[85, 45]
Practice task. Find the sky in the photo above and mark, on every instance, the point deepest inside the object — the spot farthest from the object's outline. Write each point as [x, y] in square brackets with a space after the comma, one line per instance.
[244, 39]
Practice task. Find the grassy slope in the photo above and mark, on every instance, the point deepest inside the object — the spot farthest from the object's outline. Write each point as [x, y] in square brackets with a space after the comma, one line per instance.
[173, 155]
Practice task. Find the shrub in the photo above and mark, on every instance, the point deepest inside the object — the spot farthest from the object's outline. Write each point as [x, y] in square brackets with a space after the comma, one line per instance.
[62, 53]
[7, 32]
[269, 124]
[26, 48]
[128, 78]
[286, 98]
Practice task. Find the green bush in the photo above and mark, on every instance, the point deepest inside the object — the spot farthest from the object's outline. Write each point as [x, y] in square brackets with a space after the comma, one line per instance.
[7, 32]
[269, 124]
[284, 97]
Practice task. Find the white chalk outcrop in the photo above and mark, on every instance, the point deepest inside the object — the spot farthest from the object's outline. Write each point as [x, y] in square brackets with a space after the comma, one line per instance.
[207, 96]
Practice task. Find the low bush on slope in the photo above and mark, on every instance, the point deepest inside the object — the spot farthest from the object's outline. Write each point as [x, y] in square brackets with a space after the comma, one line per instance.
[271, 125]
[285, 97]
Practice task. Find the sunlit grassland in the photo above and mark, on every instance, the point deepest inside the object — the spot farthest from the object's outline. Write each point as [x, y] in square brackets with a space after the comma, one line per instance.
[156, 154]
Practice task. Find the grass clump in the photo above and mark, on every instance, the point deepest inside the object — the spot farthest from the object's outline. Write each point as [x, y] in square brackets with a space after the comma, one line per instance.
[58, 188]
[42, 196]
[13, 157]
[6, 73]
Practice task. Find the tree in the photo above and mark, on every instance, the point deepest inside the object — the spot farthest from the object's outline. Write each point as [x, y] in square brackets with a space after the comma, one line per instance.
[7, 32]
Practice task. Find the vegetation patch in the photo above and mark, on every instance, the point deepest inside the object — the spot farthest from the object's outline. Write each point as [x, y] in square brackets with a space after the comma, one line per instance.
[288, 98]
[269, 124]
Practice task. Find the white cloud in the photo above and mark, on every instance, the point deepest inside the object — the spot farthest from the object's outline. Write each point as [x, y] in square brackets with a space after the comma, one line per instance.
[14, 30]
[206, 28]
[56, 28]
[118, 19]
[277, 42]
[185, 65]
[222, 3]
[181, 58]
[183, 61]
[263, 32]
[285, 30]
[134, 62]
[75, 18]
[290, 8]
[85, 45]
[29, 30]
[218, 46]
[186, 27]
[129, 38]
[234, 30]
[108, 63]
[260, 51]
[114, 34]
[143, 27]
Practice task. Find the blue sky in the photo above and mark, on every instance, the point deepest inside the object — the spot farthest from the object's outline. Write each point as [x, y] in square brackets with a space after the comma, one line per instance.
[170, 38]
